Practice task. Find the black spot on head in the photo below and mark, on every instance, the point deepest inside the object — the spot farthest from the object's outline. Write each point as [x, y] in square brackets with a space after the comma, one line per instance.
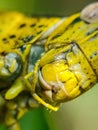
[40, 26]
[22, 25]
[4, 39]
[33, 25]
[12, 36]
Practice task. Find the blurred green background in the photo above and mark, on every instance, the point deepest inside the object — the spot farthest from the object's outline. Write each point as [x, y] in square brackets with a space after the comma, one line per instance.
[79, 114]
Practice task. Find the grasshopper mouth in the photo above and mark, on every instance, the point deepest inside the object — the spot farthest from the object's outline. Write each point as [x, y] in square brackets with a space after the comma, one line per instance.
[57, 81]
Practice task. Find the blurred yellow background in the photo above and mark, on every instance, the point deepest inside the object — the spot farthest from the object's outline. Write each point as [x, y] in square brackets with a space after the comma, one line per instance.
[79, 114]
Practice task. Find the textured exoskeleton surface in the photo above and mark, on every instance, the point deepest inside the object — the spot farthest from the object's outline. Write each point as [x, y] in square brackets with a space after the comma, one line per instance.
[44, 61]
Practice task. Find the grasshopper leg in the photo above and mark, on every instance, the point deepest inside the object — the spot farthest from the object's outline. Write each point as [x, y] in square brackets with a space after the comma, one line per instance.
[14, 112]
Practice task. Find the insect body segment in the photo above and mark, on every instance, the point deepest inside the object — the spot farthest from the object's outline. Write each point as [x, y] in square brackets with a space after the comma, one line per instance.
[44, 61]
[67, 74]
[22, 29]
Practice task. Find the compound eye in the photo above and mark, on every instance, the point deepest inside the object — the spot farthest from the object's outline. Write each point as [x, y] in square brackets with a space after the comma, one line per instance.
[10, 67]
[90, 13]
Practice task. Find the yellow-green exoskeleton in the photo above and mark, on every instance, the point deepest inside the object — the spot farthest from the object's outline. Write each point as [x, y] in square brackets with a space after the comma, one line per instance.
[44, 61]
